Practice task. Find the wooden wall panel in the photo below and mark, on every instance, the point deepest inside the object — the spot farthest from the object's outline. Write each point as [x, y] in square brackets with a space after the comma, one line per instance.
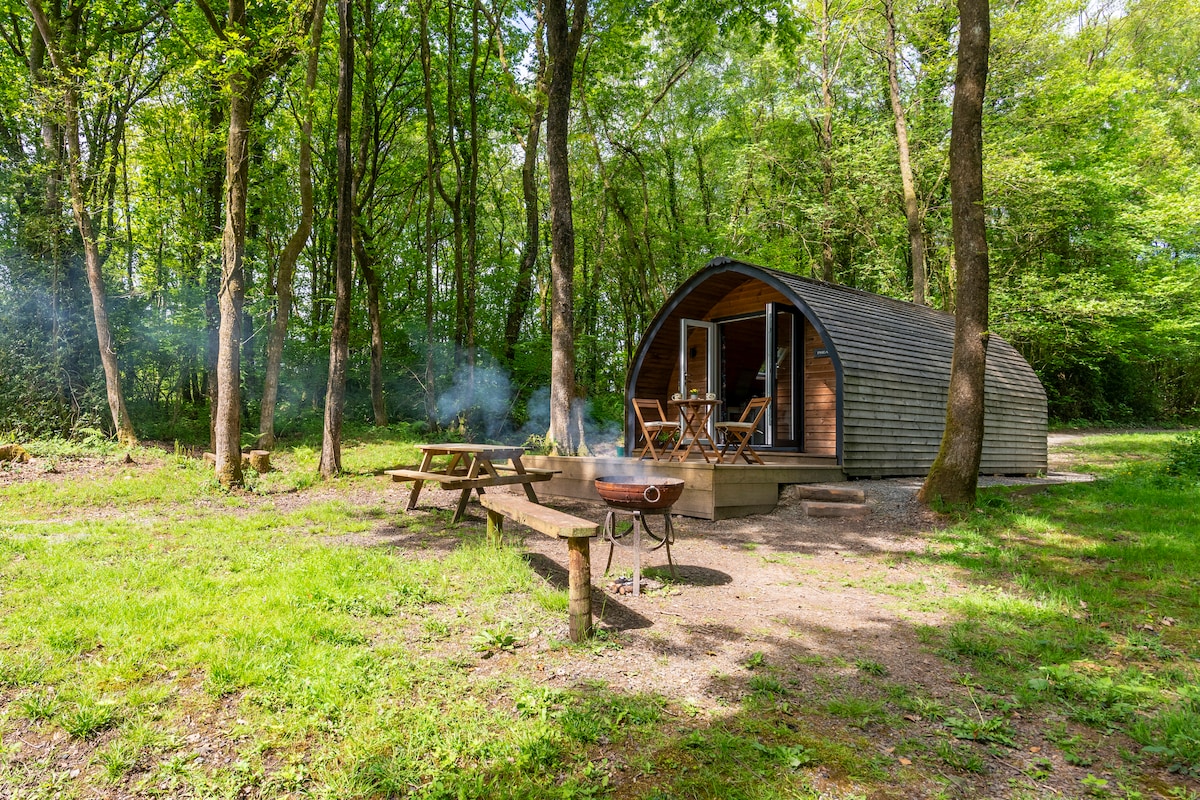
[749, 298]
[820, 397]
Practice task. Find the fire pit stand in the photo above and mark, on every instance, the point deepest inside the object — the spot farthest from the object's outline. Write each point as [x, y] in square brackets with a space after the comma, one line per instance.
[638, 498]
[638, 528]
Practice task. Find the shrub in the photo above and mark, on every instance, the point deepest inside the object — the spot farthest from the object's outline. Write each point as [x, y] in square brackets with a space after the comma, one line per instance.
[1183, 459]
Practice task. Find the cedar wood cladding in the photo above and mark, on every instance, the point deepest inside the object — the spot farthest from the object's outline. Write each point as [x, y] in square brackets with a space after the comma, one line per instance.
[893, 364]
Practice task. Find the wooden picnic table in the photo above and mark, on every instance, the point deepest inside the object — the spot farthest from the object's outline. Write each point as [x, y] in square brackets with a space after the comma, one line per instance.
[471, 467]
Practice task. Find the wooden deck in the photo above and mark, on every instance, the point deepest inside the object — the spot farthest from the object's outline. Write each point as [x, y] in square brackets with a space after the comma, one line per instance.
[712, 491]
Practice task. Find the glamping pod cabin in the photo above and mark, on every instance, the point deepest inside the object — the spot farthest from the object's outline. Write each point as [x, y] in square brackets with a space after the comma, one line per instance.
[852, 376]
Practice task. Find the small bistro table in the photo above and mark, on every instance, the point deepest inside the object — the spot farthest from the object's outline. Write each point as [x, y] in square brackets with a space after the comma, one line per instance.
[472, 467]
[695, 413]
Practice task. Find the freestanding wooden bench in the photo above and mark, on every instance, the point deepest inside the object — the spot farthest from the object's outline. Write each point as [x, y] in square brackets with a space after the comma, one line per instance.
[560, 525]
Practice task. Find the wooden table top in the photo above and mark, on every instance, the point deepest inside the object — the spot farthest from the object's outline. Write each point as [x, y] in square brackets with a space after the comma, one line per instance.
[490, 451]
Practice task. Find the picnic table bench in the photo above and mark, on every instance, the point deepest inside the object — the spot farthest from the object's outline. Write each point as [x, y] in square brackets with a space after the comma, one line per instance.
[472, 467]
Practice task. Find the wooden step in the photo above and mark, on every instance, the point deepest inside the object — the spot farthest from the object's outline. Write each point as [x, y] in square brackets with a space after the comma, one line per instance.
[816, 508]
[828, 494]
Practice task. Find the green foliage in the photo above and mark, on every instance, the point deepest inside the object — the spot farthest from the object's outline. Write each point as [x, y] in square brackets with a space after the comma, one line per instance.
[1183, 459]
[696, 136]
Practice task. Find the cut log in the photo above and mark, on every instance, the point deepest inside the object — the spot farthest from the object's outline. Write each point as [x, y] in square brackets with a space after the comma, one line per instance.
[828, 494]
[14, 453]
[814, 508]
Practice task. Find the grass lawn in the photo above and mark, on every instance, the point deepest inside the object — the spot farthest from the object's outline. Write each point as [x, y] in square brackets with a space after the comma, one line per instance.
[162, 638]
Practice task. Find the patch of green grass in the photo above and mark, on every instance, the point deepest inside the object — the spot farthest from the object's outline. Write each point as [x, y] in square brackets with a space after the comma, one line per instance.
[861, 712]
[960, 757]
[1082, 599]
[870, 667]
[87, 716]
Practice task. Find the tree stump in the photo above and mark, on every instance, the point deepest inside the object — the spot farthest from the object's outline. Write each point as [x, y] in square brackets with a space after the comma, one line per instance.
[211, 458]
[260, 461]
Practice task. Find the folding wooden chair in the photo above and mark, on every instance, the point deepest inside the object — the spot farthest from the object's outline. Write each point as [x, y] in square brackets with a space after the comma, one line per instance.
[741, 432]
[655, 427]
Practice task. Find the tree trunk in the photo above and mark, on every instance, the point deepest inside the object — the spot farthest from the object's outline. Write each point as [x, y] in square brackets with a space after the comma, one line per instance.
[295, 245]
[339, 340]
[122, 424]
[954, 474]
[523, 288]
[214, 214]
[232, 290]
[431, 168]
[50, 240]
[912, 210]
[472, 201]
[562, 44]
[371, 278]
[367, 167]
[825, 145]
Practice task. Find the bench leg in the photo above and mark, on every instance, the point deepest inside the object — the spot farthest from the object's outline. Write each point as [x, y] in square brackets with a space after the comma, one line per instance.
[495, 528]
[579, 603]
[426, 464]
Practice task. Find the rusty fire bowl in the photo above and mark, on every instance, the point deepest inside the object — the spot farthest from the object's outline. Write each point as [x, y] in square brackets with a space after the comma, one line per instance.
[641, 493]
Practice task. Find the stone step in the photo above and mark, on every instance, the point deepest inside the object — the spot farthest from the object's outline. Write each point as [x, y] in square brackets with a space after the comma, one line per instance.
[828, 494]
[816, 508]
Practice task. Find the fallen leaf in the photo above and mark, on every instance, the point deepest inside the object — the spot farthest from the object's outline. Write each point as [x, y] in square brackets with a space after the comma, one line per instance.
[1035, 749]
[904, 762]
[912, 718]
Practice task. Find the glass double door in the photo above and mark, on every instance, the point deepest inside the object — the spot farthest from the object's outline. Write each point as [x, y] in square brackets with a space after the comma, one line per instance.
[746, 357]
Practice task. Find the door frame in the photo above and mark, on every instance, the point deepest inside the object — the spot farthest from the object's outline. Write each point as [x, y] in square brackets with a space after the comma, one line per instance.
[771, 359]
[711, 360]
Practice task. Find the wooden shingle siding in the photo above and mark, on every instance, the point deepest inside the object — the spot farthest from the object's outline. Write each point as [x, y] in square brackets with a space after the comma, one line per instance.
[895, 364]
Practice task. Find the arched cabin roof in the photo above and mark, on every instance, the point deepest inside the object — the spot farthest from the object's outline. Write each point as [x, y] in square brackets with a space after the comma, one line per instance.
[892, 360]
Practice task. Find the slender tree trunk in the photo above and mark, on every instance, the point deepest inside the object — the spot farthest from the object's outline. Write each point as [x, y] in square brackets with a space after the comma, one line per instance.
[232, 291]
[523, 287]
[339, 344]
[912, 210]
[431, 168]
[367, 158]
[370, 275]
[825, 145]
[955, 472]
[50, 240]
[214, 176]
[455, 200]
[122, 424]
[295, 245]
[472, 200]
[562, 45]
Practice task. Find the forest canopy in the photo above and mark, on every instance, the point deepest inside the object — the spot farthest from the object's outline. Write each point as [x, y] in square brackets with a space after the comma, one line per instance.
[806, 136]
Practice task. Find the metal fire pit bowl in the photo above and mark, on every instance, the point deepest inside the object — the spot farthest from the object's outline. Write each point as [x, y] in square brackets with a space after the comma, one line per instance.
[639, 493]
